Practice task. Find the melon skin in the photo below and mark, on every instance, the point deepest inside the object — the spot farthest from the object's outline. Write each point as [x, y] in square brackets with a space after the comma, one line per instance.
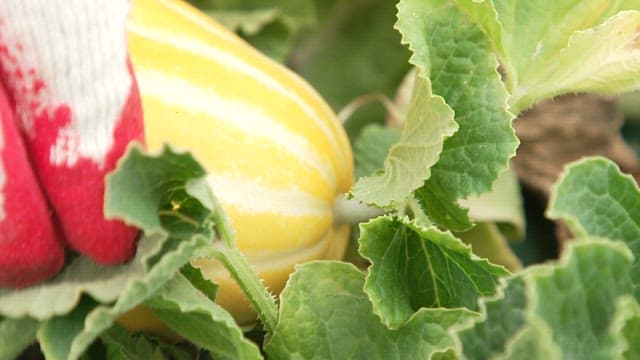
[275, 154]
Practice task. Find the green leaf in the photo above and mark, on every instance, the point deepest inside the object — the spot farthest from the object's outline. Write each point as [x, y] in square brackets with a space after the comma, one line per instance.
[625, 327]
[371, 148]
[57, 335]
[539, 41]
[353, 51]
[249, 16]
[565, 308]
[487, 241]
[407, 166]
[249, 22]
[502, 317]
[121, 345]
[166, 196]
[142, 189]
[503, 205]
[485, 15]
[414, 267]
[324, 314]
[455, 54]
[197, 279]
[590, 279]
[82, 276]
[611, 63]
[594, 198]
[440, 205]
[160, 193]
[194, 316]
[271, 26]
[15, 336]
[533, 342]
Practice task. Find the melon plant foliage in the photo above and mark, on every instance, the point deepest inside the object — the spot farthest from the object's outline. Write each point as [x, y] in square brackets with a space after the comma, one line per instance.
[423, 293]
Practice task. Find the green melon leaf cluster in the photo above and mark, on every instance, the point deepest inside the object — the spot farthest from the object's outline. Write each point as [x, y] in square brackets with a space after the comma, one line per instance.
[436, 278]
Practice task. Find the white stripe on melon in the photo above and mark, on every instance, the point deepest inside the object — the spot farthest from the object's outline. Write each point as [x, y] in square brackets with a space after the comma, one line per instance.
[276, 155]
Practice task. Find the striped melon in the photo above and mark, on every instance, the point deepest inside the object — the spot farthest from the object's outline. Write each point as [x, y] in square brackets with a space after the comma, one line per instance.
[275, 154]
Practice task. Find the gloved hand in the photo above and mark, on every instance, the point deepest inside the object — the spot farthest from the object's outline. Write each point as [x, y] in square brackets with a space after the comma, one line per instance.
[69, 107]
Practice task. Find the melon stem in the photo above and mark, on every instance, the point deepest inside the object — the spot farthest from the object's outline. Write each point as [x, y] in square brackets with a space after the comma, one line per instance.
[352, 211]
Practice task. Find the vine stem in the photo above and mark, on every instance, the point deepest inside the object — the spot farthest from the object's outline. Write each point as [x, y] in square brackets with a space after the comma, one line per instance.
[262, 301]
[228, 253]
[367, 99]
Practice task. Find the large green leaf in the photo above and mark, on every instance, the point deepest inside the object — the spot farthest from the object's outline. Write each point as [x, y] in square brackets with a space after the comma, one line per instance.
[414, 267]
[82, 276]
[194, 316]
[455, 54]
[594, 198]
[325, 314]
[429, 122]
[539, 41]
[562, 310]
[163, 194]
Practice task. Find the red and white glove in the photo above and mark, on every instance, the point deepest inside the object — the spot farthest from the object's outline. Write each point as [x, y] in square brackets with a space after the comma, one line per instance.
[69, 106]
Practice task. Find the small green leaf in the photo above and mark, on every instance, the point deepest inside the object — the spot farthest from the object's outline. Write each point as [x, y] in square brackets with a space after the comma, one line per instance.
[371, 148]
[414, 267]
[271, 26]
[151, 192]
[441, 206]
[325, 314]
[247, 22]
[121, 345]
[16, 335]
[197, 318]
[407, 166]
[353, 51]
[57, 335]
[455, 54]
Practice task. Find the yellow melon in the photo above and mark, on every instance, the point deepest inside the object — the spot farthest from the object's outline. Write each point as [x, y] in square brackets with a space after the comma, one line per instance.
[275, 154]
